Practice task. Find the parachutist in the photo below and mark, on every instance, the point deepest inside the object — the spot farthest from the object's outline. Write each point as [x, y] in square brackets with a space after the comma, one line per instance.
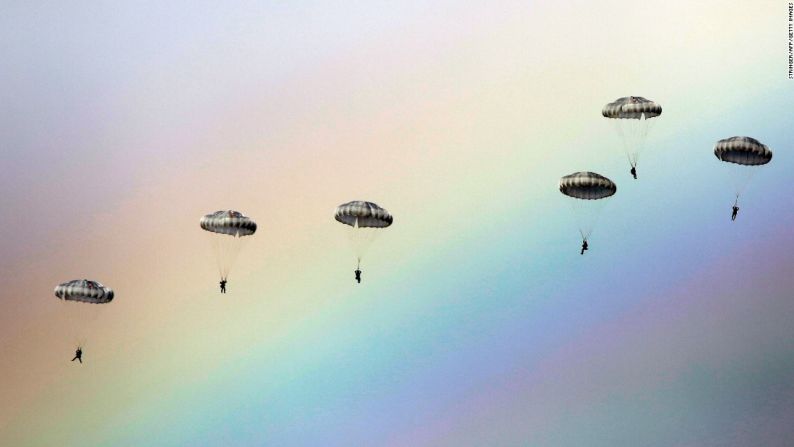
[633, 116]
[585, 188]
[229, 229]
[365, 220]
[742, 151]
[78, 355]
[84, 291]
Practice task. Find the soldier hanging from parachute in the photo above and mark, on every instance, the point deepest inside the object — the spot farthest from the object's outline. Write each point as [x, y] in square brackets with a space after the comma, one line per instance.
[84, 299]
[229, 230]
[587, 191]
[745, 155]
[366, 220]
[633, 118]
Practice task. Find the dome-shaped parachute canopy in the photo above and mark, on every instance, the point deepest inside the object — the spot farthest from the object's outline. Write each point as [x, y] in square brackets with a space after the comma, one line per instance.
[85, 291]
[742, 151]
[230, 222]
[363, 215]
[631, 107]
[587, 186]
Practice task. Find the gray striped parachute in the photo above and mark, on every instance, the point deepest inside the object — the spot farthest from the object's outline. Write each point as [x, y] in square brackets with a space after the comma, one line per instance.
[587, 186]
[229, 222]
[79, 299]
[364, 221]
[84, 291]
[587, 191]
[363, 215]
[633, 119]
[744, 156]
[745, 151]
[228, 232]
[632, 107]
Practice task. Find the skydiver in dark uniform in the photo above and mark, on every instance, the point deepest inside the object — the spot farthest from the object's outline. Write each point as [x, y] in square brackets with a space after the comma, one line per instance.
[634, 172]
[584, 246]
[735, 212]
[223, 285]
[358, 275]
[78, 355]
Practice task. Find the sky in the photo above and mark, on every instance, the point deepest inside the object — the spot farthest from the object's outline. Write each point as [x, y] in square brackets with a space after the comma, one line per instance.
[477, 323]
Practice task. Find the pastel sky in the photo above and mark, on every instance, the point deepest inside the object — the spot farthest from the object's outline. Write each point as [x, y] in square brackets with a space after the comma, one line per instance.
[477, 323]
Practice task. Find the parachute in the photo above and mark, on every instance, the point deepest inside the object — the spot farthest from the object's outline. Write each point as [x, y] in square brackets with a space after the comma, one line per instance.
[587, 189]
[84, 291]
[744, 151]
[632, 116]
[229, 229]
[366, 220]
[82, 301]
[745, 155]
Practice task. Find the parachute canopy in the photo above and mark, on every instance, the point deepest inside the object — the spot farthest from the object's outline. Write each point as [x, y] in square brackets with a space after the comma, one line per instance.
[745, 151]
[363, 215]
[587, 186]
[85, 291]
[631, 107]
[230, 222]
